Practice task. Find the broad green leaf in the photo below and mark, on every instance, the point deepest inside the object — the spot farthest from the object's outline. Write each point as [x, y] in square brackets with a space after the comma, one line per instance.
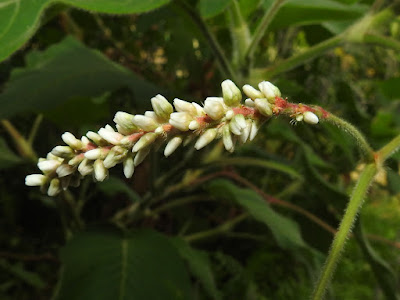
[303, 12]
[211, 8]
[19, 20]
[255, 162]
[63, 71]
[285, 231]
[199, 265]
[105, 265]
[391, 88]
[7, 157]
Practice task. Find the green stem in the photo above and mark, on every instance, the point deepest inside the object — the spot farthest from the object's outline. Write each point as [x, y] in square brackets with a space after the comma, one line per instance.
[382, 41]
[240, 33]
[35, 128]
[22, 145]
[225, 227]
[299, 59]
[215, 47]
[365, 148]
[262, 27]
[390, 148]
[345, 227]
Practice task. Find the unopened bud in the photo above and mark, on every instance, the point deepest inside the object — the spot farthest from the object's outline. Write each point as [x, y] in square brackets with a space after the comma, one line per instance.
[129, 167]
[100, 172]
[227, 138]
[97, 139]
[213, 108]
[310, 118]
[199, 110]
[263, 106]
[48, 165]
[172, 145]
[54, 187]
[231, 93]
[194, 125]
[85, 167]
[72, 141]
[253, 130]
[146, 123]
[65, 170]
[184, 106]
[246, 132]
[252, 92]
[115, 155]
[250, 103]
[63, 151]
[145, 141]
[140, 156]
[269, 90]
[110, 136]
[207, 137]
[96, 153]
[124, 122]
[180, 120]
[35, 180]
[161, 107]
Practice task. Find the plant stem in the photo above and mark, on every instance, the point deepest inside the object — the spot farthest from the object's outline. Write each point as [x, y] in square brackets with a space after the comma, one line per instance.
[215, 47]
[390, 148]
[22, 145]
[365, 148]
[225, 227]
[240, 33]
[345, 227]
[35, 128]
[262, 28]
[382, 41]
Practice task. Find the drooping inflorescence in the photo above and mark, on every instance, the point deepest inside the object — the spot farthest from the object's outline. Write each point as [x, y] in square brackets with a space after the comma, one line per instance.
[135, 135]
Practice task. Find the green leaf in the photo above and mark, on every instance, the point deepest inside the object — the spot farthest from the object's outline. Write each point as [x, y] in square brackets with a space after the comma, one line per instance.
[7, 157]
[390, 88]
[19, 20]
[211, 8]
[286, 232]
[304, 12]
[66, 70]
[105, 265]
[19, 271]
[199, 265]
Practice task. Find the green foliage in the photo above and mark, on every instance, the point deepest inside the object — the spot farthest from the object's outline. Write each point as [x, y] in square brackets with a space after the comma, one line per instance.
[253, 224]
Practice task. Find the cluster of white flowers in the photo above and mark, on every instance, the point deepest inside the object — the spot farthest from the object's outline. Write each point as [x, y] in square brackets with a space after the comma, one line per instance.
[220, 117]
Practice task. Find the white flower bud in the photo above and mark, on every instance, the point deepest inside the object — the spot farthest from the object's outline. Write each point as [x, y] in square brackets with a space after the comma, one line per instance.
[249, 103]
[310, 118]
[54, 187]
[110, 136]
[63, 151]
[184, 106]
[71, 141]
[109, 128]
[115, 155]
[64, 170]
[229, 114]
[76, 160]
[231, 93]
[96, 153]
[140, 156]
[51, 156]
[97, 139]
[263, 106]
[180, 120]
[35, 180]
[144, 141]
[234, 127]
[214, 108]
[194, 125]
[124, 122]
[207, 137]
[299, 118]
[100, 172]
[227, 138]
[129, 167]
[199, 109]
[246, 132]
[252, 92]
[151, 114]
[172, 145]
[253, 130]
[85, 167]
[240, 120]
[85, 141]
[48, 165]
[146, 123]
[161, 107]
[269, 90]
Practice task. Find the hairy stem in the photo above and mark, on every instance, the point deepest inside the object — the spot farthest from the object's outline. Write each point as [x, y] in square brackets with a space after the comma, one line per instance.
[390, 148]
[345, 227]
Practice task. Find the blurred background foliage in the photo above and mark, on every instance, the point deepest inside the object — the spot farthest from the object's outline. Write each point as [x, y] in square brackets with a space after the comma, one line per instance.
[255, 224]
